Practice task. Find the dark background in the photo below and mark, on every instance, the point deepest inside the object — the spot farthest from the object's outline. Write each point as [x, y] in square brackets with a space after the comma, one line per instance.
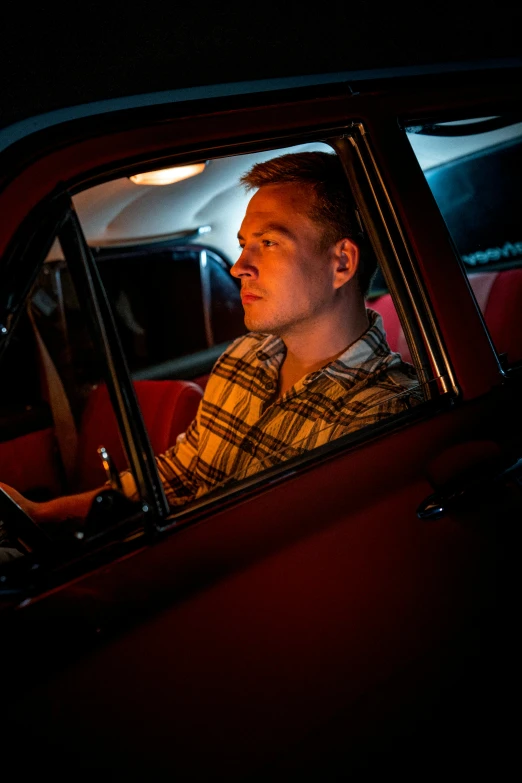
[60, 55]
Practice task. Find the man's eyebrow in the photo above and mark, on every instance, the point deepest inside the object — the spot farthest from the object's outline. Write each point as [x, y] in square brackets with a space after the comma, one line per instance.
[272, 227]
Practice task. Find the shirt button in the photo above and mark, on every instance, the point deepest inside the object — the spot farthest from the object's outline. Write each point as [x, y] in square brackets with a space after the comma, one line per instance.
[270, 385]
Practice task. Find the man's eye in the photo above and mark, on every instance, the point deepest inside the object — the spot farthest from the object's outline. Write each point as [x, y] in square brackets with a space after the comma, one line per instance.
[268, 242]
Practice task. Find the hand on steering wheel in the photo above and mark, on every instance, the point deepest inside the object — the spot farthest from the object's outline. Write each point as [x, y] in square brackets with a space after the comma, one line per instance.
[22, 531]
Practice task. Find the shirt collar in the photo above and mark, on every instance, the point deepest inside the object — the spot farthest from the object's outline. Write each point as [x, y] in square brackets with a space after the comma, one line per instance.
[364, 356]
[270, 346]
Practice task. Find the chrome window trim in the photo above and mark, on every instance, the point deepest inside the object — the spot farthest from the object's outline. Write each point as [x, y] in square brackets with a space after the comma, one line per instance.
[412, 302]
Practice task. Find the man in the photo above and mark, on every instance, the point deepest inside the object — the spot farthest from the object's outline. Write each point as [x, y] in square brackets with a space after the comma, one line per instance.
[315, 364]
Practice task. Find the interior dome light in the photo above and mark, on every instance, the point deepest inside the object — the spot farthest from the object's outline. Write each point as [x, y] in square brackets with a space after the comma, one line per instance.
[168, 176]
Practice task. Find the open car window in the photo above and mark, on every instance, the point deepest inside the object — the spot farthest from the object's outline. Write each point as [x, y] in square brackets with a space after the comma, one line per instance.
[472, 166]
[162, 255]
[199, 216]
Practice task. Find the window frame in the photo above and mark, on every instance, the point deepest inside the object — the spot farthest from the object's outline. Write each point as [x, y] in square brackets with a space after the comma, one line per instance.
[114, 160]
[440, 398]
[87, 279]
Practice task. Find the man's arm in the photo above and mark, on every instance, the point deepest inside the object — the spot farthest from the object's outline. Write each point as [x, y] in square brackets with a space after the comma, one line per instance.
[57, 509]
[174, 473]
[176, 467]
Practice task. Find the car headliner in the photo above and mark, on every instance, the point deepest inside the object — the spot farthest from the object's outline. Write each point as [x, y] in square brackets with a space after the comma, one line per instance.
[119, 212]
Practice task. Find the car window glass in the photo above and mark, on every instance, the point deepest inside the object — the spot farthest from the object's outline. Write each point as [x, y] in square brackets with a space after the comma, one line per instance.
[473, 169]
[51, 370]
[26, 422]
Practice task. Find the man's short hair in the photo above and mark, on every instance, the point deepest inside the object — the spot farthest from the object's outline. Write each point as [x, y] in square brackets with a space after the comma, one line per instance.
[332, 206]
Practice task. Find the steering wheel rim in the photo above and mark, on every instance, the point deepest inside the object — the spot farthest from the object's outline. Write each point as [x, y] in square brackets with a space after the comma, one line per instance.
[21, 529]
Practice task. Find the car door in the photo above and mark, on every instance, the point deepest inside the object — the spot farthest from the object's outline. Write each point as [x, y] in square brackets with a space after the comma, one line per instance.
[325, 615]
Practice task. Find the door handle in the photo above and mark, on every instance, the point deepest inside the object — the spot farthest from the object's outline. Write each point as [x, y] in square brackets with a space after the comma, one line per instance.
[462, 492]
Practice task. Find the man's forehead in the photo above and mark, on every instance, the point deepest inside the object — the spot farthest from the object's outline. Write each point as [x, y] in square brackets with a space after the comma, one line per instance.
[279, 207]
[261, 223]
[291, 195]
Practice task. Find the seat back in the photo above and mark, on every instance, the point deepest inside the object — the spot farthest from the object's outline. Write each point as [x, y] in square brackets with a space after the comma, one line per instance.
[502, 313]
[499, 296]
[168, 407]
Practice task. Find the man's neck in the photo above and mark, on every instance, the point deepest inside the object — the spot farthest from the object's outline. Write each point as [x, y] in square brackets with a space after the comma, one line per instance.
[313, 347]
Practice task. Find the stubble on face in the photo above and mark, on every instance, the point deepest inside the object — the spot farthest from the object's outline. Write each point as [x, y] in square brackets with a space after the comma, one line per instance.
[292, 277]
[292, 304]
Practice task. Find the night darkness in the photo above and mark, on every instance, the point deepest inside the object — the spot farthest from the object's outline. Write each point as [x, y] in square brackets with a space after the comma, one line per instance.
[52, 57]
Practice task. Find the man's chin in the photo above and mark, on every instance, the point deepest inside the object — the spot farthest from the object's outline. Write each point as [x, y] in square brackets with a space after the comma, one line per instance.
[262, 322]
[256, 325]
[264, 327]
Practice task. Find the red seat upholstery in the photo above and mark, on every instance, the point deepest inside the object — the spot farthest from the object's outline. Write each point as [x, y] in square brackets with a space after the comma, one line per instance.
[202, 380]
[31, 464]
[168, 407]
[499, 296]
[503, 311]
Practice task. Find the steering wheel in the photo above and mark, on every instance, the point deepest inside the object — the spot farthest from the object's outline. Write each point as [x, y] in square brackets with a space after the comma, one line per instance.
[21, 530]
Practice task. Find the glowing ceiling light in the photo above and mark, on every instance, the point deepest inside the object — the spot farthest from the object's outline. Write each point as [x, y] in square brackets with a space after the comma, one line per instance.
[168, 176]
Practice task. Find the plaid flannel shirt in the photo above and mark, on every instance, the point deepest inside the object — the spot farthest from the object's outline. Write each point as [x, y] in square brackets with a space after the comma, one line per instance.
[241, 429]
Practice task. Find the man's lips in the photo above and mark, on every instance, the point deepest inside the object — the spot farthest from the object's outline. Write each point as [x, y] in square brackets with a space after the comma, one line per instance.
[247, 297]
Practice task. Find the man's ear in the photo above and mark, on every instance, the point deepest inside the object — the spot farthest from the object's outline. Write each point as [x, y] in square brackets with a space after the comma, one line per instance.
[346, 261]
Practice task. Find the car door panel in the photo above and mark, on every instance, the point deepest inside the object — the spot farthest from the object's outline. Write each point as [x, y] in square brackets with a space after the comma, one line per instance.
[285, 598]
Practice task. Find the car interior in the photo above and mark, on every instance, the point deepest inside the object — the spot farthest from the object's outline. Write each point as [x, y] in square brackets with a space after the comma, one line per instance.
[320, 603]
[164, 251]
[476, 193]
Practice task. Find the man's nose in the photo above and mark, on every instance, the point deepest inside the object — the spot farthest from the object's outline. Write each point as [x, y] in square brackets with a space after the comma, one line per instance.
[243, 267]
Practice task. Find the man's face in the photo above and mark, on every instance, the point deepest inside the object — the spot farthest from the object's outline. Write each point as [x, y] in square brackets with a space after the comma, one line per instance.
[286, 279]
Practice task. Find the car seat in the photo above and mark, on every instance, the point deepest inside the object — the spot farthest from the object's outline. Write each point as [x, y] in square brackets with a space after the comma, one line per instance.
[499, 296]
[168, 407]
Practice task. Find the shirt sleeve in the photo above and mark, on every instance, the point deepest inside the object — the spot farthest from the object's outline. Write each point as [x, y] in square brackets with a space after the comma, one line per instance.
[177, 468]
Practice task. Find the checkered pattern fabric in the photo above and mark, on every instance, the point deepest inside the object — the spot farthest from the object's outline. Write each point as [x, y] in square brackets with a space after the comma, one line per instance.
[241, 427]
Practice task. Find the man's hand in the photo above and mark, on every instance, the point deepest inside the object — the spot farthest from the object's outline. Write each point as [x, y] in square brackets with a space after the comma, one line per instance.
[55, 510]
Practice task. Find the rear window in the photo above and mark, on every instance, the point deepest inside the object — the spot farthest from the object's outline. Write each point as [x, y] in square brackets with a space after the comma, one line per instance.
[479, 197]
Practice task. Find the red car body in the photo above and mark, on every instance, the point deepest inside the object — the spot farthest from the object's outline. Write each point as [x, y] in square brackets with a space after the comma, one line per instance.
[309, 622]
